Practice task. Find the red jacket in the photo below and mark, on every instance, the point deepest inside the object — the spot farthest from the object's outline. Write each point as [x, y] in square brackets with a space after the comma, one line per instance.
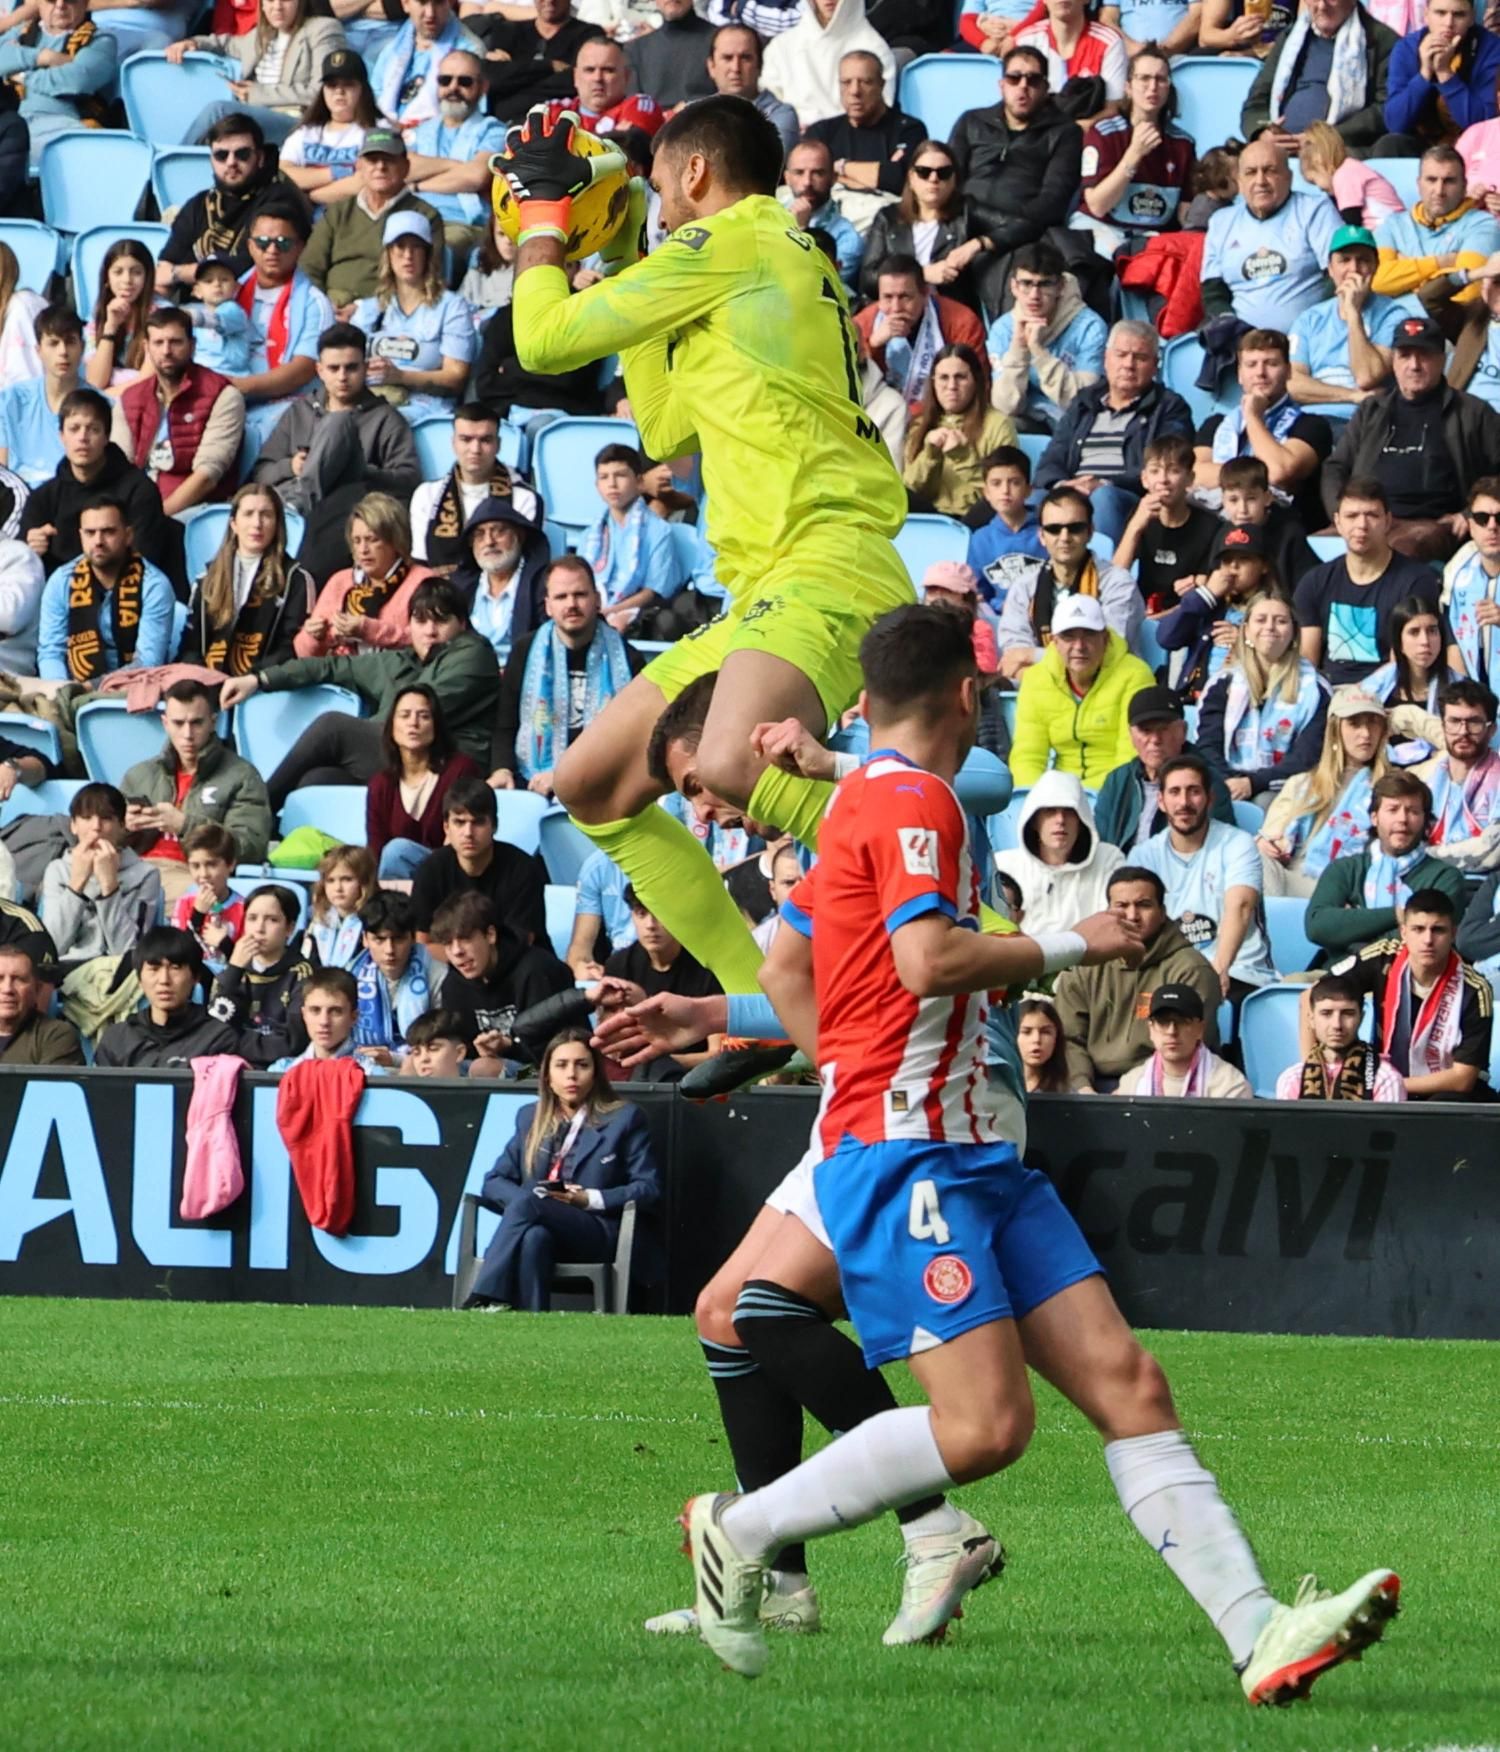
[1171, 265]
[957, 321]
[187, 415]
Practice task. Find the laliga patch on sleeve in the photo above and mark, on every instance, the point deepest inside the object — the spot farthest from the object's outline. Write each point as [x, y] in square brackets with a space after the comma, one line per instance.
[919, 850]
[693, 236]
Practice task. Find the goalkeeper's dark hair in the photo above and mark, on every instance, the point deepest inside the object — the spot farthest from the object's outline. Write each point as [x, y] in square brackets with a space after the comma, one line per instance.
[737, 140]
[915, 653]
[682, 722]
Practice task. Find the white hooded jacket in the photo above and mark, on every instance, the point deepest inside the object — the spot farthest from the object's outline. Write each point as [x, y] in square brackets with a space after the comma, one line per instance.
[802, 64]
[1057, 896]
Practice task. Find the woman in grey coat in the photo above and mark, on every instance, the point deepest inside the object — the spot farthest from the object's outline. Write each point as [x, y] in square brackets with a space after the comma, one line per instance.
[280, 67]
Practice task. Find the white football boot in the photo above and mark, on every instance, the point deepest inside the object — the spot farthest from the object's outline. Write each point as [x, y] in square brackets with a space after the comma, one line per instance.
[1317, 1631]
[941, 1568]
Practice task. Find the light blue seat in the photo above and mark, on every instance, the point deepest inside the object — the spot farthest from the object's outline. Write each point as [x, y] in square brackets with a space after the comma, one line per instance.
[1148, 646]
[51, 798]
[1190, 716]
[1004, 827]
[1181, 361]
[684, 539]
[1268, 1035]
[1248, 815]
[513, 446]
[179, 627]
[334, 809]
[559, 540]
[562, 466]
[434, 441]
[111, 739]
[1033, 445]
[1327, 547]
[29, 732]
[564, 847]
[562, 903]
[178, 173]
[937, 89]
[35, 247]
[1292, 950]
[247, 885]
[1211, 92]
[984, 784]
[267, 724]
[161, 101]
[1401, 174]
[519, 820]
[92, 176]
[924, 539]
[91, 247]
[1102, 547]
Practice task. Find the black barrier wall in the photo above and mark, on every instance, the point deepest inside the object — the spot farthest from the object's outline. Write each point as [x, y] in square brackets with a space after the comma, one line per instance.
[1230, 1216]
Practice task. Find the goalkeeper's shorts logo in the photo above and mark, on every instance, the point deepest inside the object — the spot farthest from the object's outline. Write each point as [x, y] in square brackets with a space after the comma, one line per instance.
[758, 610]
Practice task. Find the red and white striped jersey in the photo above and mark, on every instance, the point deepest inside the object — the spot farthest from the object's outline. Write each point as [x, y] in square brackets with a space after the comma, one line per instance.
[893, 847]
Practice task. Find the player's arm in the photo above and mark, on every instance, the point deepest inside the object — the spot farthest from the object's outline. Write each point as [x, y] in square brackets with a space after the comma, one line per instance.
[937, 957]
[666, 428]
[786, 977]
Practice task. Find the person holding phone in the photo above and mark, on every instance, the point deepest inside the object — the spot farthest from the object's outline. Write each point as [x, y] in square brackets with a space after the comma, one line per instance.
[578, 1157]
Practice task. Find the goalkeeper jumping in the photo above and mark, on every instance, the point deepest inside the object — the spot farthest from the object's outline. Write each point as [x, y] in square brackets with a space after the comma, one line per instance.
[736, 342]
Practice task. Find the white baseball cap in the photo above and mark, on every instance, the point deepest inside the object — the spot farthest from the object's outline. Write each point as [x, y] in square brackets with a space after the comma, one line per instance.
[408, 223]
[1077, 613]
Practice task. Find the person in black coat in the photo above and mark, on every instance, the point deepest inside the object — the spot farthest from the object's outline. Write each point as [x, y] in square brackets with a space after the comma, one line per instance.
[578, 1157]
[500, 381]
[539, 54]
[15, 144]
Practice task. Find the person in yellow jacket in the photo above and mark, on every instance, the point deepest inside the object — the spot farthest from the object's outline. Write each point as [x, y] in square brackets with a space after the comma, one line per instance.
[1076, 699]
[1445, 233]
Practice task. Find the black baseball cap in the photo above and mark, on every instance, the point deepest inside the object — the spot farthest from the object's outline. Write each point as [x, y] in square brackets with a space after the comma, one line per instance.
[345, 64]
[1155, 705]
[1177, 1000]
[1240, 538]
[1419, 332]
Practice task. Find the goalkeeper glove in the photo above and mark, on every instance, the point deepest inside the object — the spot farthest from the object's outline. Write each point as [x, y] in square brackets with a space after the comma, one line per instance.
[545, 173]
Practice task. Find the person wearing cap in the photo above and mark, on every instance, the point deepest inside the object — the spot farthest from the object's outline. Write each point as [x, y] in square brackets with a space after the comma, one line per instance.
[321, 154]
[1265, 253]
[1337, 1065]
[221, 330]
[1444, 233]
[451, 151]
[405, 74]
[1341, 347]
[1128, 806]
[345, 255]
[1065, 524]
[1442, 80]
[1073, 703]
[530, 60]
[1180, 1064]
[953, 585]
[1205, 622]
[421, 335]
[280, 58]
[1423, 441]
[496, 534]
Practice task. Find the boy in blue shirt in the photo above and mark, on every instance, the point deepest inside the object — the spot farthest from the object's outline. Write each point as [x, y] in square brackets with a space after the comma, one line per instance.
[221, 330]
[629, 547]
[30, 432]
[999, 549]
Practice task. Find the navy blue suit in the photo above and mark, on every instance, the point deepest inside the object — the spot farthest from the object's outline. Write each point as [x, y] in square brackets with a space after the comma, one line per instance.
[613, 1158]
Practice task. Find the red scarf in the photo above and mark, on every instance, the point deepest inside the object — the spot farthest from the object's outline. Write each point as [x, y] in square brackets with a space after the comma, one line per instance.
[278, 335]
[1434, 1033]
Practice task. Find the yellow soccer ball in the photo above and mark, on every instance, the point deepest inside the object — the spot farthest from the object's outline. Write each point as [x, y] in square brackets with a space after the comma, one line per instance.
[597, 213]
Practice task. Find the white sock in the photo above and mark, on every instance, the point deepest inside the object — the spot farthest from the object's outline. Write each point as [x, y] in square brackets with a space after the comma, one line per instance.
[882, 1463]
[1176, 1507]
[943, 1519]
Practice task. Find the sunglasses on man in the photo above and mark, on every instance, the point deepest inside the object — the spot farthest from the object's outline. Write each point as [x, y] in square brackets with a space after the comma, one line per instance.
[1079, 527]
[232, 154]
[464, 81]
[1036, 80]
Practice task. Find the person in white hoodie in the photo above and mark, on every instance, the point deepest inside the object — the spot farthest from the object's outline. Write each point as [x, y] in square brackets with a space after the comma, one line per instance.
[1061, 865]
[802, 64]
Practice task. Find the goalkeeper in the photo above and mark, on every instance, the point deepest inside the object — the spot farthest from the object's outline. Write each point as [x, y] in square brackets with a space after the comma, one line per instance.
[736, 341]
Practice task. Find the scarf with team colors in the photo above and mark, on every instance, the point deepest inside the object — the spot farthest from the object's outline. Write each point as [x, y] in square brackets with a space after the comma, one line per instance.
[1434, 1032]
[84, 645]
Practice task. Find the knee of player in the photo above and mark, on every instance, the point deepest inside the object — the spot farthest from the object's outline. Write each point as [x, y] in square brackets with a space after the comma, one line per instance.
[984, 1439]
[714, 1314]
[1150, 1391]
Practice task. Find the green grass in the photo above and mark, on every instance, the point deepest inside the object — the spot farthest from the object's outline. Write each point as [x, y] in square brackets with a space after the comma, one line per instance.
[277, 1527]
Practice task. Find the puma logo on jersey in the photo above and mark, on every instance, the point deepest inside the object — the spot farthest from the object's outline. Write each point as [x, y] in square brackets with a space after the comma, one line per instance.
[919, 850]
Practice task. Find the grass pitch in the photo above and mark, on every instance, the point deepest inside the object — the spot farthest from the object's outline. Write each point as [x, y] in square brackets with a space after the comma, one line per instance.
[277, 1527]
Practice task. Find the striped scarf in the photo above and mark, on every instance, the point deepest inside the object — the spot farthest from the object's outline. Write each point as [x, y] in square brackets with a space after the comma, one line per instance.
[369, 596]
[1434, 1030]
[84, 644]
[1355, 1081]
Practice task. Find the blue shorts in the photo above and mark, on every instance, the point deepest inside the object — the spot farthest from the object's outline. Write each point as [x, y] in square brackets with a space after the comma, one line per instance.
[933, 1240]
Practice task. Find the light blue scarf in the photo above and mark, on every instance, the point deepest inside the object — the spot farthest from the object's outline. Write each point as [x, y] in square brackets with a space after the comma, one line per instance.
[1470, 586]
[1385, 880]
[545, 693]
[376, 1021]
[1347, 825]
[1229, 435]
[1257, 737]
[1382, 683]
[617, 567]
[337, 940]
[423, 104]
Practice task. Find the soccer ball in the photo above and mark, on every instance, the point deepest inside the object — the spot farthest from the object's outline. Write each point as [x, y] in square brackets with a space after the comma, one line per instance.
[597, 213]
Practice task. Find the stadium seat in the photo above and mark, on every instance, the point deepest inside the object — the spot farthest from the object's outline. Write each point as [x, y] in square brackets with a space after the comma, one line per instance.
[1268, 1035]
[90, 249]
[1003, 827]
[1248, 815]
[684, 552]
[562, 903]
[559, 540]
[1181, 361]
[562, 466]
[36, 248]
[564, 847]
[178, 173]
[51, 798]
[924, 539]
[335, 809]
[267, 724]
[937, 89]
[112, 739]
[513, 447]
[1292, 950]
[609, 1285]
[35, 733]
[1401, 174]
[1033, 445]
[1148, 646]
[93, 176]
[179, 627]
[984, 784]
[161, 100]
[1326, 547]
[1211, 92]
[519, 820]
[434, 441]
[204, 528]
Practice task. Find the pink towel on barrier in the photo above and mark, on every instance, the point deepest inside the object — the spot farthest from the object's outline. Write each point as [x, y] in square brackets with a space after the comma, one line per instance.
[214, 1178]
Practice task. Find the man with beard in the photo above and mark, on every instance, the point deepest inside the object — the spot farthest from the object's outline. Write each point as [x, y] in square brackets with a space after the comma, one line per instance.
[450, 152]
[216, 222]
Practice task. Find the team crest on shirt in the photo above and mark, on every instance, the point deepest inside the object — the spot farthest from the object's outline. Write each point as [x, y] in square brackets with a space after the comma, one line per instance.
[1263, 264]
[919, 850]
[947, 1279]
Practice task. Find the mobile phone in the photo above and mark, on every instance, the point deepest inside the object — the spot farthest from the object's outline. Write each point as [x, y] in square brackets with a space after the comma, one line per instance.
[140, 802]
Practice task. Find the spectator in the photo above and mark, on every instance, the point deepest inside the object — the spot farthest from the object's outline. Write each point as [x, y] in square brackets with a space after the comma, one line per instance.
[99, 897]
[629, 549]
[279, 61]
[1169, 538]
[1003, 543]
[1048, 345]
[493, 972]
[1245, 489]
[1465, 778]
[1032, 597]
[734, 67]
[109, 609]
[1060, 864]
[1321, 814]
[436, 1046]
[530, 60]
[657, 962]
[405, 74]
[952, 585]
[1018, 168]
[22, 578]
[802, 64]
[1331, 65]
[19, 307]
[1358, 896]
[340, 750]
[809, 199]
[501, 382]
[195, 779]
[21, 929]
[321, 154]
[1340, 348]
[250, 604]
[172, 1029]
[31, 407]
[346, 879]
[1408, 685]
[602, 100]
[491, 278]
[908, 322]
[671, 61]
[1072, 703]
[393, 980]
[1361, 194]
[1206, 622]
[256, 992]
[473, 860]
[406, 797]
[421, 335]
[1078, 50]
[952, 434]
[219, 328]
[450, 156]
[572, 645]
[1340, 1067]
[27, 1036]
[370, 603]
[1138, 167]
[1100, 442]
[440, 509]
[329, 999]
[1171, 25]
[215, 914]
[115, 339]
[61, 68]
[1433, 1013]
[578, 1157]
[345, 255]
[870, 144]
[1128, 808]
[1265, 256]
[1260, 722]
[504, 570]
[1180, 1064]
[990, 25]
[1442, 80]
[1445, 233]
[601, 919]
[287, 315]
[1212, 877]
[1469, 586]
[1344, 605]
[1103, 1010]
[1269, 424]
[926, 223]
[179, 421]
[216, 221]
[1041, 1047]
[1475, 365]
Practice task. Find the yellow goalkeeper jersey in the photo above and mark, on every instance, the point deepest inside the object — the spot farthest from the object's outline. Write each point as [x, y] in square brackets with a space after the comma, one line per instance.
[736, 341]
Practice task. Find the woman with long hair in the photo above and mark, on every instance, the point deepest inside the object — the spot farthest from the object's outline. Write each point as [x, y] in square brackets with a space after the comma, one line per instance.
[421, 335]
[19, 309]
[369, 602]
[1325, 814]
[404, 802]
[1042, 1047]
[1260, 721]
[280, 60]
[1409, 683]
[252, 600]
[319, 154]
[955, 429]
[491, 277]
[927, 222]
[115, 336]
[1137, 178]
[578, 1157]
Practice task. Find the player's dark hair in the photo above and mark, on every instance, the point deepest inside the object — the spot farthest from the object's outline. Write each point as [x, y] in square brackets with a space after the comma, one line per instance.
[388, 914]
[188, 692]
[1008, 456]
[438, 1025]
[234, 124]
[1067, 496]
[915, 653]
[435, 599]
[472, 797]
[215, 839]
[170, 316]
[1399, 785]
[285, 901]
[1335, 985]
[1034, 55]
[283, 202]
[1171, 448]
[338, 982]
[682, 722]
[474, 412]
[741, 144]
[1465, 692]
[1137, 873]
[1434, 903]
[1053, 1076]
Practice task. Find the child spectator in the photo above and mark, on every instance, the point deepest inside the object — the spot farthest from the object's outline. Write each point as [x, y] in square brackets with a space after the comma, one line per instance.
[1340, 1066]
[215, 914]
[1216, 184]
[98, 898]
[257, 991]
[172, 1029]
[1180, 1064]
[1169, 537]
[328, 1008]
[952, 585]
[629, 549]
[221, 330]
[657, 962]
[346, 880]
[393, 977]
[1044, 1052]
[1000, 548]
[437, 1046]
[1361, 194]
[1245, 497]
[492, 976]
[1206, 622]
[1010, 893]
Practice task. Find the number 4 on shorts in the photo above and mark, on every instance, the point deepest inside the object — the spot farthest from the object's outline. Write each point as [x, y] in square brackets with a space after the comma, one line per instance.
[925, 1221]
